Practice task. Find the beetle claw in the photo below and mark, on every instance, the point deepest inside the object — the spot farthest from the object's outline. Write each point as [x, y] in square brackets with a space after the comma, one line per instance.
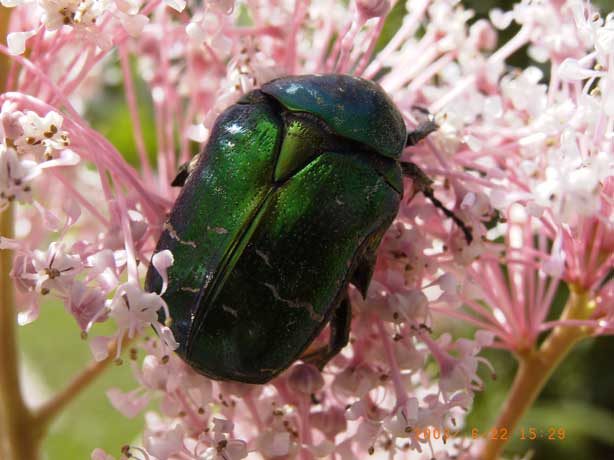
[423, 129]
[318, 358]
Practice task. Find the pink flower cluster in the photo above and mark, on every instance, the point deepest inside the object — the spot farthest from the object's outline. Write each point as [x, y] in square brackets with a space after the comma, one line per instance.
[524, 157]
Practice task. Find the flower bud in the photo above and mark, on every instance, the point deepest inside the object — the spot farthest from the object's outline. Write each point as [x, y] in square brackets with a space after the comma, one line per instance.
[355, 381]
[305, 378]
[368, 9]
[330, 422]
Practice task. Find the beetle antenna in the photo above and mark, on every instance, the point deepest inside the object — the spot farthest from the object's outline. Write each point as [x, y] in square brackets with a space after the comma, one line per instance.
[422, 183]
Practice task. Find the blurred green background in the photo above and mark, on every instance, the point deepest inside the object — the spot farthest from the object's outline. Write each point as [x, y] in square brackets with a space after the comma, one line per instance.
[579, 396]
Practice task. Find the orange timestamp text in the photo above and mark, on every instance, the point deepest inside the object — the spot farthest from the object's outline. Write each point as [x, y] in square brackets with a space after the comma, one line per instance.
[524, 433]
[430, 433]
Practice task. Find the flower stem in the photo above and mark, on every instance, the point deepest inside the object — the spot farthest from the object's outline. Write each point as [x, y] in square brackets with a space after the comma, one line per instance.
[536, 367]
[5, 15]
[17, 436]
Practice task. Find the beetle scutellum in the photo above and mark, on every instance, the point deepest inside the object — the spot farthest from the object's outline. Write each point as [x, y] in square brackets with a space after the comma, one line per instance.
[286, 206]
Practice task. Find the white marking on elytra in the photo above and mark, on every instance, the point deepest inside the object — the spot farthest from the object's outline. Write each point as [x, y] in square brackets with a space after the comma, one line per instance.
[232, 311]
[264, 257]
[174, 235]
[218, 230]
[339, 202]
[293, 304]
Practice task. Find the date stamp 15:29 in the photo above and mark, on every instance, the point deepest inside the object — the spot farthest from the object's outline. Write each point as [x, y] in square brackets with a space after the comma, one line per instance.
[529, 433]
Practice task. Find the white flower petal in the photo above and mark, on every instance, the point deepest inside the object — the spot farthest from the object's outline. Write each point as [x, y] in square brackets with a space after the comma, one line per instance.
[570, 69]
[127, 6]
[178, 5]
[128, 404]
[500, 19]
[167, 336]
[196, 32]
[166, 443]
[604, 40]
[100, 347]
[134, 24]
[608, 102]
[197, 133]
[17, 41]
[12, 3]
[67, 158]
[161, 261]
[29, 315]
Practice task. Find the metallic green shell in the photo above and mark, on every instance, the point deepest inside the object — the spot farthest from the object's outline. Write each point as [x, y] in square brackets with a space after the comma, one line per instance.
[220, 198]
[263, 258]
[354, 108]
[294, 269]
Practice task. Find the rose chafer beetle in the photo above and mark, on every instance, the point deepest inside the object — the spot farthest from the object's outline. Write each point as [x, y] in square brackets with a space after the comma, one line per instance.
[286, 206]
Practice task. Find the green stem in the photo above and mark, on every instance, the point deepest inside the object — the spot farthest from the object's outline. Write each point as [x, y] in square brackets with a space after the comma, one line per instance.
[535, 368]
[18, 437]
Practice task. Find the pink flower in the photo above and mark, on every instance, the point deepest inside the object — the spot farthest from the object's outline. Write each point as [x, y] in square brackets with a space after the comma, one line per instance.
[525, 162]
[99, 454]
[133, 310]
[129, 404]
[15, 176]
[85, 304]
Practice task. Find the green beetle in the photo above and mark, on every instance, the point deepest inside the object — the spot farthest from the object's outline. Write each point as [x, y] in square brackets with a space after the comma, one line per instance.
[297, 185]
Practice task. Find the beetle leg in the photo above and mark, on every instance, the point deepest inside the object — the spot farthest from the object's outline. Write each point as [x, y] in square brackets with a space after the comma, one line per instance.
[421, 131]
[340, 327]
[184, 171]
[339, 336]
[422, 183]
[364, 272]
